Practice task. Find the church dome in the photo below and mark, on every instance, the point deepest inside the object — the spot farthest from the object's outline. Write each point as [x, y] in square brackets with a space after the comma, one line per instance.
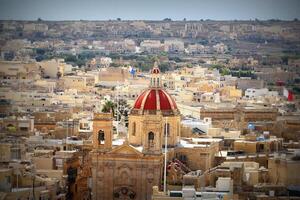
[155, 99]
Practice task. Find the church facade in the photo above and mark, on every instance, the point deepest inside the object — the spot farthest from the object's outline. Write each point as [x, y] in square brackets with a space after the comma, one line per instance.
[130, 170]
[121, 172]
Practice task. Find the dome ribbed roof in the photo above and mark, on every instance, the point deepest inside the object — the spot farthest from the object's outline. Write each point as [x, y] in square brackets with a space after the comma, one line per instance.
[155, 99]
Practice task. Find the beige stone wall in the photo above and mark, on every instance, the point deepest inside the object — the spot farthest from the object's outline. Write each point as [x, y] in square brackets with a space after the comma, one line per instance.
[43, 162]
[253, 177]
[135, 138]
[186, 132]
[76, 82]
[5, 152]
[246, 146]
[113, 75]
[199, 158]
[284, 172]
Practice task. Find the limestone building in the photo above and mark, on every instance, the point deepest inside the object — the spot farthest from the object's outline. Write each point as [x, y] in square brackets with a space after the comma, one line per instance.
[131, 169]
[122, 171]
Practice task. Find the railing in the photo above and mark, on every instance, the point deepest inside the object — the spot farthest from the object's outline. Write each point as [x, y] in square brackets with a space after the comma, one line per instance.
[183, 166]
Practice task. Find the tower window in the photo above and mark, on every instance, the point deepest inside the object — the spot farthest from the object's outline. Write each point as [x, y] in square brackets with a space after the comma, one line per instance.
[151, 138]
[101, 137]
[133, 128]
[167, 129]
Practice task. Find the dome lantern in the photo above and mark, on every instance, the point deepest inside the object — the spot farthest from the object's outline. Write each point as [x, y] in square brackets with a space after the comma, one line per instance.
[155, 77]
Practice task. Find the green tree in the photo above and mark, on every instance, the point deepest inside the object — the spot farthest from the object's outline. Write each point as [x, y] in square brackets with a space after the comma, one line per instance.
[108, 106]
[285, 60]
[165, 67]
[167, 19]
[11, 129]
[70, 58]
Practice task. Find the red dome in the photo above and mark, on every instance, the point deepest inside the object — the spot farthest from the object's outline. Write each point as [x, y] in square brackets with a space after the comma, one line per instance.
[155, 99]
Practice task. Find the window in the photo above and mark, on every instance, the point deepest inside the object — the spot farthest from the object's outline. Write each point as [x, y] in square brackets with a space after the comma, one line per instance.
[7, 179]
[167, 129]
[133, 128]
[15, 153]
[101, 137]
[23, 129]
[151, 138]
[261, 147]
[183, 158]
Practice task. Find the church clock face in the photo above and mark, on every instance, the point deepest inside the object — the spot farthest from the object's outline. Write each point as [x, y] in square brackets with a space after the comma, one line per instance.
[124, 193]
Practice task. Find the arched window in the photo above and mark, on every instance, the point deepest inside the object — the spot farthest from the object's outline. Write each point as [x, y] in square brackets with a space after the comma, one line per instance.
[157, 82]
[101, 137]
[167, 129]
[133, 128]
[151, 138]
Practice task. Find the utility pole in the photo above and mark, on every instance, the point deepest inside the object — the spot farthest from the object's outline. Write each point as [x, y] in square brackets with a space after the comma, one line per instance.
[166, 149]
[33, 180]
[117, 110]
[67, 134]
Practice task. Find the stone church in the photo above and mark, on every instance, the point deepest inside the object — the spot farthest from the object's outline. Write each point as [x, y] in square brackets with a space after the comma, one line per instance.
[131, 169]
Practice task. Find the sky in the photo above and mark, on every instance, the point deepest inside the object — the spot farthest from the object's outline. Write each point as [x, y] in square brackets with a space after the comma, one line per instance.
[149, 9]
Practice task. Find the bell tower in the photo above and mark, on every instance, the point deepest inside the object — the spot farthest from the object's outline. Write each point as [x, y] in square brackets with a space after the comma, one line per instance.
[102, 131]
[155, 81]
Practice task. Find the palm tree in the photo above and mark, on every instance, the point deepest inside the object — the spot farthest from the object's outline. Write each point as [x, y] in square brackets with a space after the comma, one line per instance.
[108, 107]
